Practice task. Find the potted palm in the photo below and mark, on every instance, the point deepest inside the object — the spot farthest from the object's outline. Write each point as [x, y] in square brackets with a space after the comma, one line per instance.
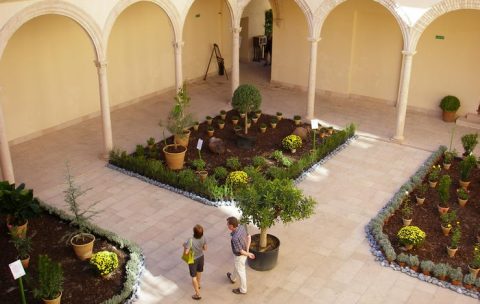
[19, 205]
[178, 124]
[81, 240]
[466, 166]
[246, 99]
[449, 104]
[265, 202]
[50, 280]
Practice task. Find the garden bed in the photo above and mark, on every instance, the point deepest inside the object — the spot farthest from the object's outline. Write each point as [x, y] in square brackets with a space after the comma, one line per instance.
[382, 230]
[259, 159]
[82, 283]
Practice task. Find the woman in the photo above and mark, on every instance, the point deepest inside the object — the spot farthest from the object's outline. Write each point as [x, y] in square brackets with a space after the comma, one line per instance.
[198, 244]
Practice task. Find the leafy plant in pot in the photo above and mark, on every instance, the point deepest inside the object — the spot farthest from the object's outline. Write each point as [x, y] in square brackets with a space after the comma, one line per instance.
[265, 202]
[50, 280]
[178, 124]
[449, 104]
[23, 245]
[246, 98]
[81, 240]
[466, 166]
[19, 205]
[444, 193]
[469, 142]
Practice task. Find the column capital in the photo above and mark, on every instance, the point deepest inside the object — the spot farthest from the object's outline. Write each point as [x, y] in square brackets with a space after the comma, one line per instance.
[314, 40]
[101, 64]
[236, 30]
[409, 53]
[178, 44]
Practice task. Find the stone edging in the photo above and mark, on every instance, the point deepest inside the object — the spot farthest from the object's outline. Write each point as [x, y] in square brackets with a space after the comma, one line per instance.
[387, 210]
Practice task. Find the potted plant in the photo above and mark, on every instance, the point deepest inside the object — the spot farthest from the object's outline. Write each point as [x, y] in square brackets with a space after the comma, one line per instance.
[235, 120]
[263, 127]
[50, 280]
[440, 270]
[104, 262]
[426, 266]
[447, 219]
[210, 131]
[279, 116]
[23, 245]
[455, 275]
[209, 119]
[292, 142]
[246, 99]
[454, 240]
[410, 236]
[265, 202]
[407, 212]
[273, 122]
[199, 165]
[221, 124]
[19, 205]
[469, 280]
[196, 124]
[462, 196]
[434, 175]
[421, 192]
[297, 119]
[402, 259]
[178, 124]
[81, 240]
[466, 166]
[444, 193]
[449, 105]
[474, 265]
[223, 114]
[448, 157]
[258, 113]
[413, 262]
[469, 142]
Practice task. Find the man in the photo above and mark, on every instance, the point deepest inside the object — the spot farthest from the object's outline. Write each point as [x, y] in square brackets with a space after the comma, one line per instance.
[240, 247]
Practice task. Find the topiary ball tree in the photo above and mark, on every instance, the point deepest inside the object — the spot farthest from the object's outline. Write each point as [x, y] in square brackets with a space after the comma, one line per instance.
[246, 98]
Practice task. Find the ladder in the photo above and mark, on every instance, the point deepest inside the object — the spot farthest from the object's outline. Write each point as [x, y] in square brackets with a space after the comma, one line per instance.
[220, 62]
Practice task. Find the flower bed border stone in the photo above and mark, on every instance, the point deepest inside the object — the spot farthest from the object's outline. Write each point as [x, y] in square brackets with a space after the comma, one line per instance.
[380, 245]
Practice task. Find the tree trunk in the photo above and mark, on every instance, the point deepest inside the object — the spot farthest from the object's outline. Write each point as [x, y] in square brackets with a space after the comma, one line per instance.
[263, 238]
[246, 120]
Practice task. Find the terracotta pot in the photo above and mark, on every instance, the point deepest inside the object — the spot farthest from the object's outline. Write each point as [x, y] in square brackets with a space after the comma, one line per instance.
[406, 222]
[209, 121]
[20, 231]
[427, 273]
[223, 116]
[414, 268]
[473, 271]
[182, 139]
[53, 301]
[401, 264]
[210, 133]
[195, 127]
[242, 115]
[263, 130]
[298, 122]
[420, 200]
[255, 119]
[25, 262]
[202, 175]
[446, 166]
[432, 184]
[174, 159]
[234, 122]
[449, 116]
[83, 250]
[293, 150]
[462, 202]
[408, 247]
[442, 210]
[456, 283]
[464, 185]
[221, 126]
[468, 286]
[446, 230]
[442, 277]
[279, 117]
[451, 251]
[274, 125]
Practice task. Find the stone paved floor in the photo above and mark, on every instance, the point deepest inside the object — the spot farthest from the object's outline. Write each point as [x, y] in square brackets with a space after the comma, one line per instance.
[324, 259]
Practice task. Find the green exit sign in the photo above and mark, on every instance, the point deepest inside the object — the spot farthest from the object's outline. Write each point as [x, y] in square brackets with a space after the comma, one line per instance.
[439, 37]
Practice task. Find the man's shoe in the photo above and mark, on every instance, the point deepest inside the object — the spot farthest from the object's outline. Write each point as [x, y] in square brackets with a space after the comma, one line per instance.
[229, 276]
[237, 291]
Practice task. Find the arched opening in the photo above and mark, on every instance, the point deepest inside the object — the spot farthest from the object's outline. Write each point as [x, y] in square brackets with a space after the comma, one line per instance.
[207, 22]
[446, 63]
[359, 55]
[140, 54]
[48, 77]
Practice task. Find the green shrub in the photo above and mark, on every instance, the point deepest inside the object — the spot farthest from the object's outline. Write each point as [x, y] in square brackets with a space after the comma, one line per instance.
[450, 103]
[104, 262]
[140, 150]
[469, 279]
[220, 172]
[426, 265]
[469, 142]
[444, 189]
[259, 161]
[292, 142]
[413, 260]
[402, 258]
[440, 270]
[233, 163]
[411, 235]
[198, 164]
[455, 274]
[237, 178]
[50, 278]
[275, 172]
[466, 166]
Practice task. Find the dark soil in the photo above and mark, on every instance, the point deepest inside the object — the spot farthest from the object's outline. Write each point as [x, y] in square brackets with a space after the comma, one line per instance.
[265, 144]
[82, 284]
[427, 218]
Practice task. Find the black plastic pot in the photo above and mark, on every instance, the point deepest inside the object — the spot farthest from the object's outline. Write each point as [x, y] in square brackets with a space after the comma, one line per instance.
[264, 260]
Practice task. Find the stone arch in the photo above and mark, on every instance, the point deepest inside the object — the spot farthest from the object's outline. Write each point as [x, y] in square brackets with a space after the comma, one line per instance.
[230, 10]
[437, 11]
[165, 5]
[329, 5]
[57, 8]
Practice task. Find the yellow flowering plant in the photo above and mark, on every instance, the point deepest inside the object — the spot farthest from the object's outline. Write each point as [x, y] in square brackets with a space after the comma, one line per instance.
[104, 262]
[411, 235]
[292, 142]
[237, 178]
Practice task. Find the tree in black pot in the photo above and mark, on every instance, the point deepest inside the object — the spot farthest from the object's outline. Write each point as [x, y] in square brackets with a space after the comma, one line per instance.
[264, 203]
